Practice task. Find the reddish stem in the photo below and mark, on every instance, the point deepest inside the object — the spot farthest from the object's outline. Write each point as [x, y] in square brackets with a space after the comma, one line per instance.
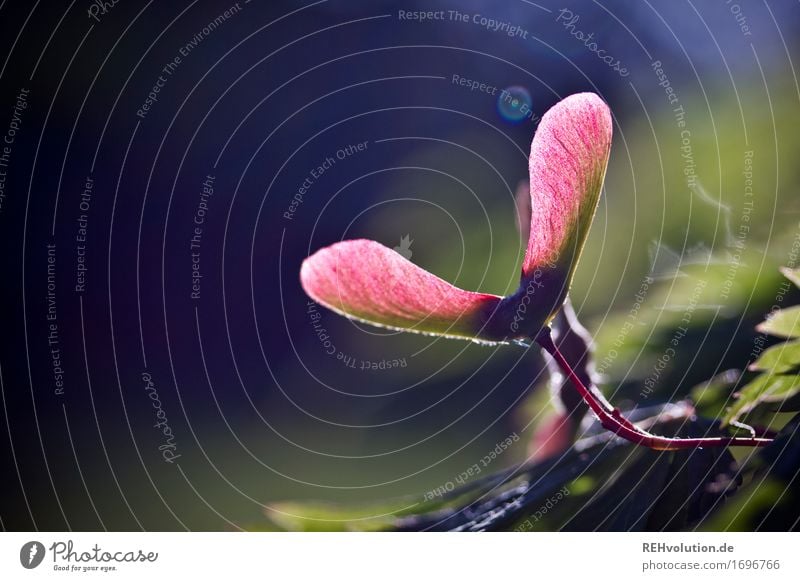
[612, 420]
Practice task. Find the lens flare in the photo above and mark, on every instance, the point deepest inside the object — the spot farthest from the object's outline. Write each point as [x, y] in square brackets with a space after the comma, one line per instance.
[514, 104]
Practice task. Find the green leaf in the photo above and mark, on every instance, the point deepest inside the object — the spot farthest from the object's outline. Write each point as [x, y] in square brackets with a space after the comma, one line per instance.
[767, 387]
[793, 274]
[781, 358]
[324, 516]
[771, 500]
[315, 516]
[715, 392]
[783, 323]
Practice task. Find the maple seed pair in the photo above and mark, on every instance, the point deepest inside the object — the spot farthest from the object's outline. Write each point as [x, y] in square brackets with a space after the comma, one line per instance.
[369, 282]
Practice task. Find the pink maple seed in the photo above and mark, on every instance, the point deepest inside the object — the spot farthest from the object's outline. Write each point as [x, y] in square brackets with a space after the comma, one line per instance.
[369, 282]
[567, 166]
[611, 418]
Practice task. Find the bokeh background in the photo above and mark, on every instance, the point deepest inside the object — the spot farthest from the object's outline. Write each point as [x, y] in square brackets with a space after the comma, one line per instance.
[264, 397]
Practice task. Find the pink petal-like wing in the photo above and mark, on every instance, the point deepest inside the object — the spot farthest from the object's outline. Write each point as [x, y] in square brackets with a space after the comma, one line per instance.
[367, 281]
[522, 200]
[567, 165]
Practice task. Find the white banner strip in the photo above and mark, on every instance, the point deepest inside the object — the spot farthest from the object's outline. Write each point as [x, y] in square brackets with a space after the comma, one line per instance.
[389, 556]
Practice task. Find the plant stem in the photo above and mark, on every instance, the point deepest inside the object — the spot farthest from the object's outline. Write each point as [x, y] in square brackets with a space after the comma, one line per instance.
[612, 420]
